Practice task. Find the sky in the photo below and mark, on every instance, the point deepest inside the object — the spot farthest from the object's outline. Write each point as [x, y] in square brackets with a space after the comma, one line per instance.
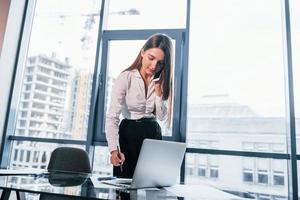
[236, 47]
[59, 27]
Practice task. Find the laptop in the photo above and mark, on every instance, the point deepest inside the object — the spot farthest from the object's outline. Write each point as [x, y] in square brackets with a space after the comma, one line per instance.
[158, 165]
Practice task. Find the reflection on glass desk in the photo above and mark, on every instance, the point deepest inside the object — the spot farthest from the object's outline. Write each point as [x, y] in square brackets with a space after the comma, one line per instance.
[85, 186]
[77, 186]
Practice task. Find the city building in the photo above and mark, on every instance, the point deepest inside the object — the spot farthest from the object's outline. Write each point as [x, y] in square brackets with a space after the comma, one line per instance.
[42, 111]
[80, 101]
[231, 126]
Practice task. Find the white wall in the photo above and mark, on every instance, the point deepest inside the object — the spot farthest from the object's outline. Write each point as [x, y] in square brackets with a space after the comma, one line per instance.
[4, 6]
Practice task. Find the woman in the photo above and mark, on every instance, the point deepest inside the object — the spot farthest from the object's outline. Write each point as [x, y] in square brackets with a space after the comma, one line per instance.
[141, 100]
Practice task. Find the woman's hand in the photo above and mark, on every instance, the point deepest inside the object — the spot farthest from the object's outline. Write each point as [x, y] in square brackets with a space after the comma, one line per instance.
[158, 90]
[116, 159]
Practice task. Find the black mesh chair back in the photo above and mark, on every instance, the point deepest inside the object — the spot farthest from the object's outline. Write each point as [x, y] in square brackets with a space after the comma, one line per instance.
[66, 159]
[69, 159]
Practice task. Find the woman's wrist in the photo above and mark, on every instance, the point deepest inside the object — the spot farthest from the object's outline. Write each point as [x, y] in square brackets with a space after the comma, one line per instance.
[113, 151]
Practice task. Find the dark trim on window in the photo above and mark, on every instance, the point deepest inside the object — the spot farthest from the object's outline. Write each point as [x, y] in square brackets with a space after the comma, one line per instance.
[139, 34]
[188, 150]
[290, 108]
[110, 35]
[100, 143]
[239, 153]
[92, 123]
[184, 86]
[46, 140]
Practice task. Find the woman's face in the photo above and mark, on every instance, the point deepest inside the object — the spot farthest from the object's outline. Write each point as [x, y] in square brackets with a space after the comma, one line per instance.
[153, 60]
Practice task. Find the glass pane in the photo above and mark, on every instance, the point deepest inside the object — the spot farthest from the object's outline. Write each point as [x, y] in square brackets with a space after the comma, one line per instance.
[102, 161]
[241, 176]
[54, 89]
[119, 61]
[27, 154]
[236, 97]
[295, 31]
[298, 175]
[137, 14]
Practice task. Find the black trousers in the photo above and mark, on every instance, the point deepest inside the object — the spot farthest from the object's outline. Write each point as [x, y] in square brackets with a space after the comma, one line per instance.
[131, 136]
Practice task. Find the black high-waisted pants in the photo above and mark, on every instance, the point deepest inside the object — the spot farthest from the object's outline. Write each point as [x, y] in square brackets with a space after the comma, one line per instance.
[131, 136]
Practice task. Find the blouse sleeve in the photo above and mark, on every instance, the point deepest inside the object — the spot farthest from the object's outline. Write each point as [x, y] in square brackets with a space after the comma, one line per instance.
[161, 108]
[112, 118]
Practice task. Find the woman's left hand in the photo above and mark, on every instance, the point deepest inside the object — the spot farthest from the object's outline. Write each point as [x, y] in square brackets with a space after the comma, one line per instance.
[158, 90]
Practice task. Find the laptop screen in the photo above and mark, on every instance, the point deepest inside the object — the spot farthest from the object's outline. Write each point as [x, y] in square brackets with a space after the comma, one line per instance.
[158, 164]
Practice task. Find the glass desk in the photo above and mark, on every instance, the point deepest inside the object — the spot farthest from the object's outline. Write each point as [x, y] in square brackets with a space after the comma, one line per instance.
[74, 186]
[68, 186]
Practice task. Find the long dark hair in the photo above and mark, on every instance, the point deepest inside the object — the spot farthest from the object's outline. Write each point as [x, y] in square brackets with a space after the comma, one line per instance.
[164, 43]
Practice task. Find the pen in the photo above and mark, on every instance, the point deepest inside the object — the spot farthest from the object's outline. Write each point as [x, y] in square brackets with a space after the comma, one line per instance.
[119, 156]
[106, 178]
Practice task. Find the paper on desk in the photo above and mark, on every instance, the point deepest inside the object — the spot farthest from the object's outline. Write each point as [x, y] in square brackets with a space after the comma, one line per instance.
[99, 184]
[201, 191]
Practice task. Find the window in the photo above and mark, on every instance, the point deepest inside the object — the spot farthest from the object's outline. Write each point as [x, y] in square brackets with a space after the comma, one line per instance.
[28, 156]
[102, 161]
[47, 74]
[202, 171]
[45, 70]
[295, 30]
[224, 101]
[29, 70]
[26, 96]
[16, 154]
[27, 87]
[190, 163]
[116, 61]
[213, 166]
[21, 155]
[214, 172]
[236, 98]
[36, 156]
[139, 14]
[44, 157]
[248, 175]
[262, 176]
[23, 114]
[189, 171]
[29, 78]
[278, 178]
[22, 123]
[233, 98]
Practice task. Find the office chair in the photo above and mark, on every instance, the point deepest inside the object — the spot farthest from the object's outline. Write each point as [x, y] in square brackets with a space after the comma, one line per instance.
[66, 160]
[69, 159]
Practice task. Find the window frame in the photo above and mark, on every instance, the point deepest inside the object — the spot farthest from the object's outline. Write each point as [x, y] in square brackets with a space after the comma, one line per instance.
[95, 134]
[114, 35]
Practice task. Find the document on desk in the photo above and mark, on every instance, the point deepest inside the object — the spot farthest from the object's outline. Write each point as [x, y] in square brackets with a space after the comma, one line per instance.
[26, 171]
[98, 184]
[201, 191]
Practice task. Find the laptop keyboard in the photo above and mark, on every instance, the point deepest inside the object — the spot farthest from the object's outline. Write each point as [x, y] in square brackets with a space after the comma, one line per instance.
[124, 181]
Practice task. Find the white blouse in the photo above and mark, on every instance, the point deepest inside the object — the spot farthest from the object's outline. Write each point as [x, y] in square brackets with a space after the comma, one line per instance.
[128, 97]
